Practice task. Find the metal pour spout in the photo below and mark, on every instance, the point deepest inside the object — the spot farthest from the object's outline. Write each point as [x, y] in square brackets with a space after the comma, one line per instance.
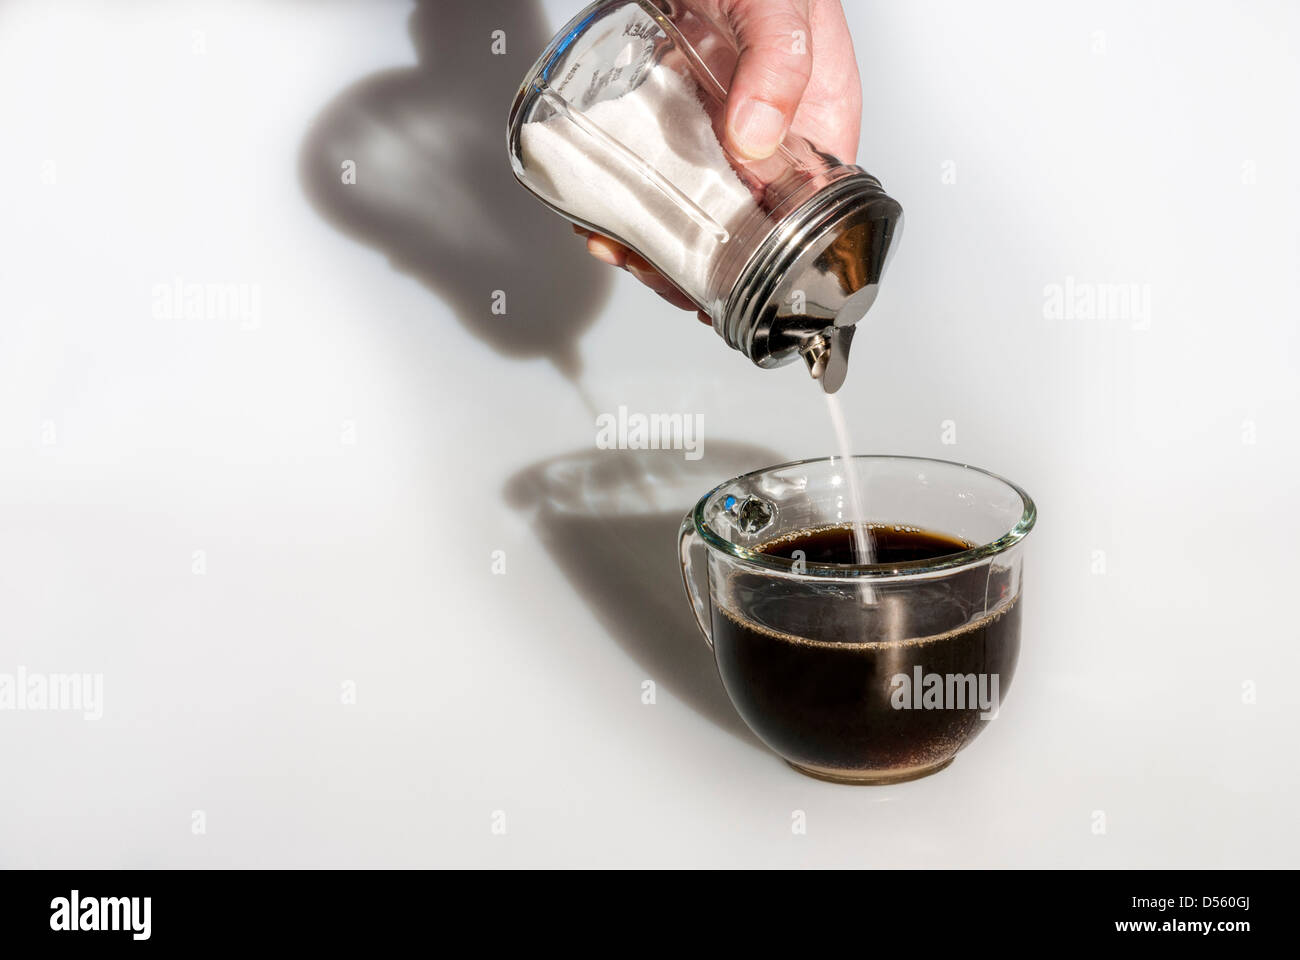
[814, 278]
[827, 356]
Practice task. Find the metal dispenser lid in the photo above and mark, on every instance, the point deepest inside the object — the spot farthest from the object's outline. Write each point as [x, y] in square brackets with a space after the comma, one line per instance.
[813, 278]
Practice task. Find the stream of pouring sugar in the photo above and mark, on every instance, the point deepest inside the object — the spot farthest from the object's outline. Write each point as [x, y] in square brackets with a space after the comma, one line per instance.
[861, 533]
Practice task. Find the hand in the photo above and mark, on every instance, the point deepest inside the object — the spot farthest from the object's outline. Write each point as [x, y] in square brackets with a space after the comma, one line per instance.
[774, 91]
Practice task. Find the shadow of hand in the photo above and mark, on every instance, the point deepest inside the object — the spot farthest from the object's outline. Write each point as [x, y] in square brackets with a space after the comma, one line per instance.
[433, 188]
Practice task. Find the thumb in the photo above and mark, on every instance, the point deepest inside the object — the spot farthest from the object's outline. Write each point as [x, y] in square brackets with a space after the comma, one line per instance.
[775, 64]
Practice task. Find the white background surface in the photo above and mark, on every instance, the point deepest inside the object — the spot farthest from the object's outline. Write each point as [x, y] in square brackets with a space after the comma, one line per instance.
[1110, 142]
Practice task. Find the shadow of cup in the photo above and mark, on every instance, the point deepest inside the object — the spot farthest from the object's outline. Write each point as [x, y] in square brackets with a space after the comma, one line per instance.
[609, 519]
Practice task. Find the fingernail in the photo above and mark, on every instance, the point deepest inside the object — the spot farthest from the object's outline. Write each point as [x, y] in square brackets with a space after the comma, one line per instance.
[757, 129]
[602, 251]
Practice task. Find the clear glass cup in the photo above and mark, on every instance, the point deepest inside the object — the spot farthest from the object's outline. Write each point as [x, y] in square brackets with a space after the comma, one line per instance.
[862, 673]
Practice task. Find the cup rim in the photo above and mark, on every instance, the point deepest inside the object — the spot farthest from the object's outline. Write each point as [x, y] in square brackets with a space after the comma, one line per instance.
[873, 571]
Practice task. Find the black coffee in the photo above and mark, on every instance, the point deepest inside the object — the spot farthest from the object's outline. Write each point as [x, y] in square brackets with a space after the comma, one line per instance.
[822, 680]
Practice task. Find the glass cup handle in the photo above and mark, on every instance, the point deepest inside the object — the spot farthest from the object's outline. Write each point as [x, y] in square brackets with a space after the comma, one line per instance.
[686, 539]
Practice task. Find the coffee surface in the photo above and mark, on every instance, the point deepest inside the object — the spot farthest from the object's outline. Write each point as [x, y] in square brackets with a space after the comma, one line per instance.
[816, 677]
[890, 544]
